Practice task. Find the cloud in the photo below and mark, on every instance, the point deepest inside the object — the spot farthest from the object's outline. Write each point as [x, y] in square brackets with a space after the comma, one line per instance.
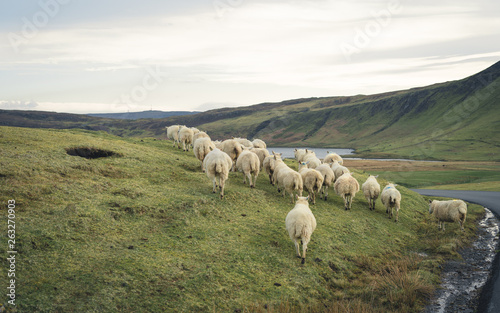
[18, 105]
[255, 49]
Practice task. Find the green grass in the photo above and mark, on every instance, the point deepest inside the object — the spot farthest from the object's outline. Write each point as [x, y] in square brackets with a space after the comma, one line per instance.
[436, 178]
[142, 232]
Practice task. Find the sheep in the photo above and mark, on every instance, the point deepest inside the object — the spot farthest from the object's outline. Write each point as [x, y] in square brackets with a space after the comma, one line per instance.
[330, 157]
[257, 143]
[200, 135]
[299, 154]
[244, 142]
[391, 198]
[186, 137]
[338, 169]
[262, 153]
[217, 165]
[312, 181]
[287, 179]
[248, 163]
[346, 186]
[173, 133]
[300, 223]
[232, 148]
[449, 211]
[268, 165]
[371, 190]
[311, 159]
[328, 179]
[201, 147]
[195, 130]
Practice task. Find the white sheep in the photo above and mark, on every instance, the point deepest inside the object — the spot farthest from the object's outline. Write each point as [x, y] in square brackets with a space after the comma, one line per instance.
[232, 148]
[328, 179]
[268, 165]
[262, 153]
[299, 154]
[186, 137]
[449, 211]
[287, 179]
[200, 135]
[311, 159]
[312, 181]
[346, 186]
[217, 165]
[391, 199]
[371, 190]
[300, 223]
[330, 157]
[202, 147]
[338, 169]
[248, 163]
[258, 143]
[173, 133]
[244, 142]
[195, 130]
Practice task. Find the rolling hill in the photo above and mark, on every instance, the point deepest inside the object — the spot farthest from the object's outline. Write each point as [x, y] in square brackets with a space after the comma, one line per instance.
[457, 120]
[143, 114]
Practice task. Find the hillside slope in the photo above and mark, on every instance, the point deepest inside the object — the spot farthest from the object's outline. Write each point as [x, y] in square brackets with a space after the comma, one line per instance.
[454, 120]
[458, 120]
[139, 230]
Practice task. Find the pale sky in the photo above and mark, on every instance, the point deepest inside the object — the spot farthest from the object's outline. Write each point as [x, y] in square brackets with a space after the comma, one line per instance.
[89, 56]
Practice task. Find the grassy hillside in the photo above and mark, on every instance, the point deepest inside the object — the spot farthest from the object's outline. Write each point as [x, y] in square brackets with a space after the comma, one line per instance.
[456, 120]
[140, 231]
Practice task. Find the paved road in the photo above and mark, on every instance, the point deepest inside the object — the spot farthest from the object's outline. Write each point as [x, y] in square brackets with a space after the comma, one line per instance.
[490, 297]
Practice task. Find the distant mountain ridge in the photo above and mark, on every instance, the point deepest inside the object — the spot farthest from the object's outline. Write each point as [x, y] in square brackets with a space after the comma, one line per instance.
[456, 120]
[143, 114]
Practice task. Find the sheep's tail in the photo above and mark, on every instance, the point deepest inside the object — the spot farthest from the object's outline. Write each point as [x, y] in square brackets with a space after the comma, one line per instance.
[462, 210]
[218, 167]
[392, 200]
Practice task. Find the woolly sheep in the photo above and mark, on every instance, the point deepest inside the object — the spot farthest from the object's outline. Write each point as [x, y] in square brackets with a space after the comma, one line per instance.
[312, 181]
[300, 223]
[269, 163]
[244, 142]
[299, 154]
[449, 211]
[371, 190]
[338, 169]
[391, 199]
[346, 186]
[287, 179]
[248, 163]
[217, 165]
[232, 148]
[262, 153]
[173, 133]
[195, 130]
[311, 159]
[201, 147]
[330, 157]
[257, 143]
[328, 179]
[186, 137]
[200, 135]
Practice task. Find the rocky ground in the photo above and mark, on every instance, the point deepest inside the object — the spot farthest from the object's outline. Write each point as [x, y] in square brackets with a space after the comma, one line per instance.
[463, 279]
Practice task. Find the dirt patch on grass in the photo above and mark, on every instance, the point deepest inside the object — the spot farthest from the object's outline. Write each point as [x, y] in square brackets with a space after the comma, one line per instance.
[90, 153]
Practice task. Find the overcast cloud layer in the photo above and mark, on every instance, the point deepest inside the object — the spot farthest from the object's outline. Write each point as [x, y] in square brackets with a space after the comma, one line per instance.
[84, 56]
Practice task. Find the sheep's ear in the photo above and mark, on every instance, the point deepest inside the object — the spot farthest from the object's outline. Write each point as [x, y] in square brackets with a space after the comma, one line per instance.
[295, 149]
[307, 150]
[430, 201]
